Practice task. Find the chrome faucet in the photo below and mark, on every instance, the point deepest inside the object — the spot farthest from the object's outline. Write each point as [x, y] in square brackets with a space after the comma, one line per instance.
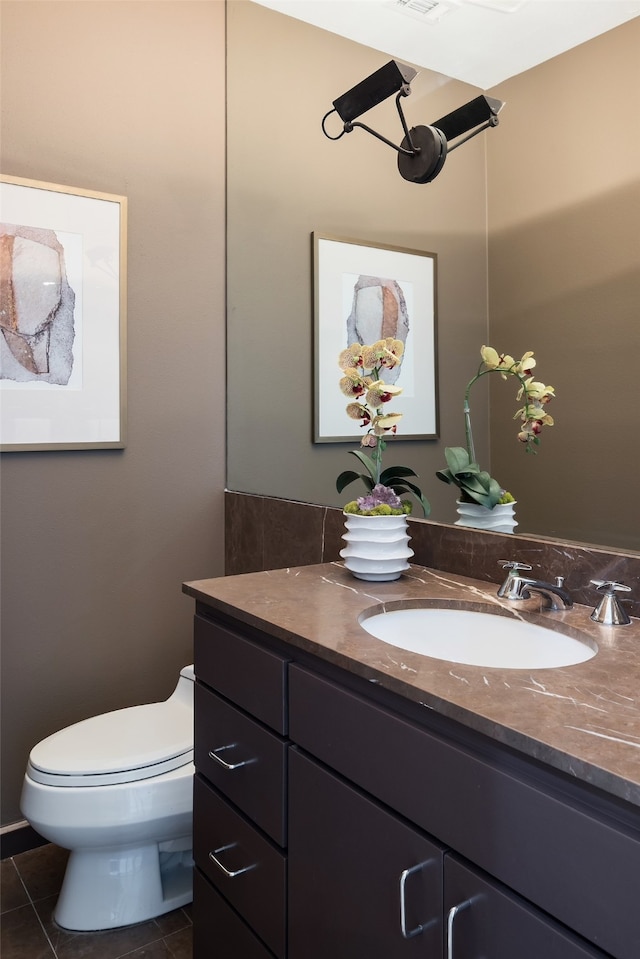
[516, 586]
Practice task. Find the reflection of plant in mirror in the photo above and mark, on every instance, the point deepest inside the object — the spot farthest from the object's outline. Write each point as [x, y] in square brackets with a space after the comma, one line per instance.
[361, 382]
[475, 484]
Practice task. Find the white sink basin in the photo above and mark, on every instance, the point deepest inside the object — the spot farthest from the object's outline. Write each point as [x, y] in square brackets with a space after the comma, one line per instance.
[479, 638]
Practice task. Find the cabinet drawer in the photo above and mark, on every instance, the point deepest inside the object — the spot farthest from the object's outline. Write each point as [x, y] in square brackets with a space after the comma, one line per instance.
[564, 858]
[485, 919]
[251, 768]
[250, 872]
[217, 929]
[250, 676]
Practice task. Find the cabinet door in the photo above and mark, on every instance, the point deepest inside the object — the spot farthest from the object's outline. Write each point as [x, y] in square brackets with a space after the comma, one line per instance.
[217, 930]
[361, 881]
[484, 919]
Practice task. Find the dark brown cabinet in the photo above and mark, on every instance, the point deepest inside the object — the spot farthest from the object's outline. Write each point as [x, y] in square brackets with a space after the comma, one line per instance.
[485, 919]
[332, 821]
[386, 891]
[363, 880]
[240, 802]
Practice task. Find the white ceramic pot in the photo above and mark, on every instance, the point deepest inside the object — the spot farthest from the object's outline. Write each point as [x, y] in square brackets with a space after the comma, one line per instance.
[377, 546]
[500, 519]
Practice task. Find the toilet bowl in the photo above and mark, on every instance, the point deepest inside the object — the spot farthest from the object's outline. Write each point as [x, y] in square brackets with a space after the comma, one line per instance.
[116, 790]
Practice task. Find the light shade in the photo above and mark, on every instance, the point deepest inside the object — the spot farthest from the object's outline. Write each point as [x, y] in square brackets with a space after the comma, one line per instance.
[369, 93]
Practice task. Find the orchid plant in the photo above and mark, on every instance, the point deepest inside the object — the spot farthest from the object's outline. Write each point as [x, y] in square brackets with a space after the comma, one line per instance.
[362, 369]
[475, 484]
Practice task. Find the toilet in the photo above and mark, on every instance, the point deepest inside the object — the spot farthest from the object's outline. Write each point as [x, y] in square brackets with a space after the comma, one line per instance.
[116, 790]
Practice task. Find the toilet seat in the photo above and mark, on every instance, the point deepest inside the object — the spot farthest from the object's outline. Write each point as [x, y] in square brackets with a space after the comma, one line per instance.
[117, 747]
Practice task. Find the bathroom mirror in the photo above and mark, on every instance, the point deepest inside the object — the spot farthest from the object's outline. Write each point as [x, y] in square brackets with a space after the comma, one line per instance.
[557, 196]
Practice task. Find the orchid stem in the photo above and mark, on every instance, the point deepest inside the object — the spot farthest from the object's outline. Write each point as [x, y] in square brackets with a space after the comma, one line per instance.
[467, 416]
[467, 408]
[380, 445]
[377, 457]
[469, 435]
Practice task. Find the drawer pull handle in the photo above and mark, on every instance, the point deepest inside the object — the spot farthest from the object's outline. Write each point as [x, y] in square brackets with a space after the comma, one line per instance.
[230, 873]
[453, 912]
[404, 875]
[213, 754]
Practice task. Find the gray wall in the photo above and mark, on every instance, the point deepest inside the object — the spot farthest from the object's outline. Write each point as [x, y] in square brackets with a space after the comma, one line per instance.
[125, 98]
[564, 281]
[285, 180]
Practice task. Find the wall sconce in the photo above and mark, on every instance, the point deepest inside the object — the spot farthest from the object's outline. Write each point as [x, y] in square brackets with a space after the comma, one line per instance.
[424, 149]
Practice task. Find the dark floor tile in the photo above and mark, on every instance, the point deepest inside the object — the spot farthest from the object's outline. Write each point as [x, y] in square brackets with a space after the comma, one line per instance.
[180, 944]
[22, 936]
[12, 891]
[172, 922]
[42, 870]
[155, 950]
[110, 944]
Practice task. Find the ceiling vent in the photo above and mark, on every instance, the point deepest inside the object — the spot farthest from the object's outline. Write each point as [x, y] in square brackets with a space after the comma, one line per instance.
[427, 11]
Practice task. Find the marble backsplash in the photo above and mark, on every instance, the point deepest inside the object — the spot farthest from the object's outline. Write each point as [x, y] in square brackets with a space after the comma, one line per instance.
[262, 532]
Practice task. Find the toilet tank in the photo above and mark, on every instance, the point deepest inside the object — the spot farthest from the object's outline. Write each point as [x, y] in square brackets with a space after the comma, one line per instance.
[183, 692]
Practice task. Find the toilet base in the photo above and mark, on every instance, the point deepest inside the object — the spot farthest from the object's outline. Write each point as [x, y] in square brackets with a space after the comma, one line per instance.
[107, 888]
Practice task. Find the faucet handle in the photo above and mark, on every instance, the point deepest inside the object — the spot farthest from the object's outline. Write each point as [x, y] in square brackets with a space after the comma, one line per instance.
[512, 586]
[610, 585]
[609, 612]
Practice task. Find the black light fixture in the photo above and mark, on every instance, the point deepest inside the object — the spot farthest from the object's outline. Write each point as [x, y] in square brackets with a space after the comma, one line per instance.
[424, 149]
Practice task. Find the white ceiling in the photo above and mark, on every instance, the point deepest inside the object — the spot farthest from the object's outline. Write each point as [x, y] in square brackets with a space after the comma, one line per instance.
[481, 42]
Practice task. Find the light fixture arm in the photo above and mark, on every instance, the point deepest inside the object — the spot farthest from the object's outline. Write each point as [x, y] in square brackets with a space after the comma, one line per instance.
[404, 92]
[351, 125]
[491, 122]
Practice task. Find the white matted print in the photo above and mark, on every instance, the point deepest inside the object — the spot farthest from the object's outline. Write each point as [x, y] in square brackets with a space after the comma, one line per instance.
[62, 317]
[364, 292]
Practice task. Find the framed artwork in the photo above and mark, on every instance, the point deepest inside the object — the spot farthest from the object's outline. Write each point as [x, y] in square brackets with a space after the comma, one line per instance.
[62, 317]
[364, 292]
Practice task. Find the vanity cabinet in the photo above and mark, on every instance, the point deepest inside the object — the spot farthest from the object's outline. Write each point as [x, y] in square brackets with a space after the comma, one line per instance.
[355, 823]
[391, 892]
[240, 822]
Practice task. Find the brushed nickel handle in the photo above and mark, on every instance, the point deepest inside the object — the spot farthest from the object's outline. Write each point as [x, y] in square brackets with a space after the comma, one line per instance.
[230, 873]
[453, 912]
[404, 875]
[213, 754]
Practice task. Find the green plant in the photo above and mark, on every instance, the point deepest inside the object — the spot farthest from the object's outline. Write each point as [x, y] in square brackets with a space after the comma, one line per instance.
[474, 483]
[361, 382]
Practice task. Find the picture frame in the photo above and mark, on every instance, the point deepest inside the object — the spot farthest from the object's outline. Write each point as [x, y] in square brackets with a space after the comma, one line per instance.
[364, 292]
[63, 255]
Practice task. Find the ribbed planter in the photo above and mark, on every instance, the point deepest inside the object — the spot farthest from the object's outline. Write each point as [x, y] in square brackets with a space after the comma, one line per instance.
[500, 519]
[377, 546]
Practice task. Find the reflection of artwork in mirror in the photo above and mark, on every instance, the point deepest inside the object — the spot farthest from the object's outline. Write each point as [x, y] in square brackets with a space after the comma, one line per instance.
[363, 293]
[62, 317]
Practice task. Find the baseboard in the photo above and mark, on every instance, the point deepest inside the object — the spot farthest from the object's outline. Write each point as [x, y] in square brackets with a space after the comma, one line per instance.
[18, 837]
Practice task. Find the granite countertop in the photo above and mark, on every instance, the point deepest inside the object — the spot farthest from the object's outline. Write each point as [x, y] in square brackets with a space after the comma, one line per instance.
[582, 719]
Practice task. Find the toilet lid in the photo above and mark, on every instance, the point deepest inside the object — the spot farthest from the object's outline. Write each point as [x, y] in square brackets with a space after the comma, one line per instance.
[116, 747]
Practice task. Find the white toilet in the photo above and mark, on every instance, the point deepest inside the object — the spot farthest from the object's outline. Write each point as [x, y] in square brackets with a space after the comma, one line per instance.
[117, 790]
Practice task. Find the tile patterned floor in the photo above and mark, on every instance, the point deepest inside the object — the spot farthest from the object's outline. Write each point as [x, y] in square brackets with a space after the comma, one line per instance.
[30, 884]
